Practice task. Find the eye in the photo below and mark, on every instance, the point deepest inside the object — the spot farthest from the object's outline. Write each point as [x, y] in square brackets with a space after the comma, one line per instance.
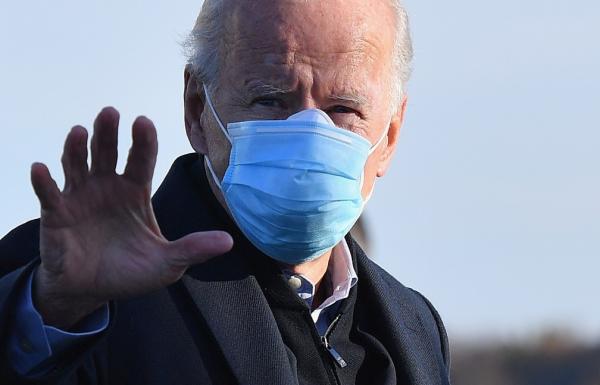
[269, 102]
[341, 110]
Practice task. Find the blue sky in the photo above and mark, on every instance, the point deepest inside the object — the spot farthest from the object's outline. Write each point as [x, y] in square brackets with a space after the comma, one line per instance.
[491, 207]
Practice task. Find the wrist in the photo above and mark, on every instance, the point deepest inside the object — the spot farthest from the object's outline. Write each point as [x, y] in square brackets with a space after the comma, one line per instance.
[56, 305]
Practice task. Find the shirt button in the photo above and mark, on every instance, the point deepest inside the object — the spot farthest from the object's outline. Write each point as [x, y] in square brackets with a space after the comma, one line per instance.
[294, 282]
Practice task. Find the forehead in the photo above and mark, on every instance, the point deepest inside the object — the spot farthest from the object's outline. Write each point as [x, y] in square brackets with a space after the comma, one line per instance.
[321, 40]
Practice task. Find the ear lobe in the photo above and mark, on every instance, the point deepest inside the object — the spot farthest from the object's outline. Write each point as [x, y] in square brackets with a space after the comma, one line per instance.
[193, 108]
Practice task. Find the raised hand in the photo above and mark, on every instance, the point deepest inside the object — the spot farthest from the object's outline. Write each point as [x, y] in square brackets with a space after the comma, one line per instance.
[99, 239]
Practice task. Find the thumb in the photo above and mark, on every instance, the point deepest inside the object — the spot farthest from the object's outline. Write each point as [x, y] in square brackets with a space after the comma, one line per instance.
[199, 247]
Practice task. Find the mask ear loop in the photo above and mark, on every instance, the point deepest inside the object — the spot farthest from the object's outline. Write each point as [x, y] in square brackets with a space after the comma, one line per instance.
[206, 160]
[374, 147]
[214, 112]
[362, 176]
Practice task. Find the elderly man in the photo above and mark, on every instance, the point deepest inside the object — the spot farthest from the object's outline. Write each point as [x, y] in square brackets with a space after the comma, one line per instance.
[240, 269]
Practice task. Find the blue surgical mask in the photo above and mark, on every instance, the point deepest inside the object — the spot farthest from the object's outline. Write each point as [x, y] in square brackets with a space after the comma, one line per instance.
[293, 186]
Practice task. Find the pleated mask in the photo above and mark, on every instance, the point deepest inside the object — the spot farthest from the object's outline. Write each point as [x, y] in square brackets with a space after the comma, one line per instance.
[293, 186]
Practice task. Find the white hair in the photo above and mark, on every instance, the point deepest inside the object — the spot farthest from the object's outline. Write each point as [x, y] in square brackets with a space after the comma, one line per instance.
[204, 47]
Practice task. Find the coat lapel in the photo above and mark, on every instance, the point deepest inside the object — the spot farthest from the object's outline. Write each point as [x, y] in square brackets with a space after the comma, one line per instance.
[241, 321]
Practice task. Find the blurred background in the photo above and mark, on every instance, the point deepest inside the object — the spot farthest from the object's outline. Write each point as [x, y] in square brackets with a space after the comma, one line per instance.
[491, 208]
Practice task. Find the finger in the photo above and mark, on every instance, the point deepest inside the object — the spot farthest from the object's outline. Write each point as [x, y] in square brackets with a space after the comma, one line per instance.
[74, 159]
[104, 142]
[44, 186]
[199, 247]
[142, 155]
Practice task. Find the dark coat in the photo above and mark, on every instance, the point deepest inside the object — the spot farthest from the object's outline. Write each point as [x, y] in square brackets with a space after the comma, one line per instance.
[214, 326]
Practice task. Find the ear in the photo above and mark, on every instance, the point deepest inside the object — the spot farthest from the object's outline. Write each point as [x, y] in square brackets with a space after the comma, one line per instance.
[392, 138]
[193, 99]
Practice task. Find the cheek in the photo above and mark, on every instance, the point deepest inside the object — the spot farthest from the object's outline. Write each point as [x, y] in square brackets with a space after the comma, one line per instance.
[197, 141]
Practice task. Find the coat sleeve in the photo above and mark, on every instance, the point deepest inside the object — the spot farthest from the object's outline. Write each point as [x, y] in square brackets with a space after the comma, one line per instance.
[19, 247]
[19, 255]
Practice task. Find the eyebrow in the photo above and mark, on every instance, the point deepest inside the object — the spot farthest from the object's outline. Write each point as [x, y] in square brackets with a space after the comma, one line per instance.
[265, 89]
[261, 88]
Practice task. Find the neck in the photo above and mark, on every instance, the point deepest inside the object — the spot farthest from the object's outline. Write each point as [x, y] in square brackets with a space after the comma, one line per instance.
[313, 270]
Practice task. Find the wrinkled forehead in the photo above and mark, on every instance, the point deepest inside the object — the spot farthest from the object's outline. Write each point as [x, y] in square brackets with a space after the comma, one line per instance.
[346, 34]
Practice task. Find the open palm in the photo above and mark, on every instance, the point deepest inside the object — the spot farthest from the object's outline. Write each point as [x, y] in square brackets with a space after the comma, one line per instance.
[99, 239]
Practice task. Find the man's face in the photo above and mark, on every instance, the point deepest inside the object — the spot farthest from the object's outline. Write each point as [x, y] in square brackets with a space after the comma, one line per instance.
[286, 56]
